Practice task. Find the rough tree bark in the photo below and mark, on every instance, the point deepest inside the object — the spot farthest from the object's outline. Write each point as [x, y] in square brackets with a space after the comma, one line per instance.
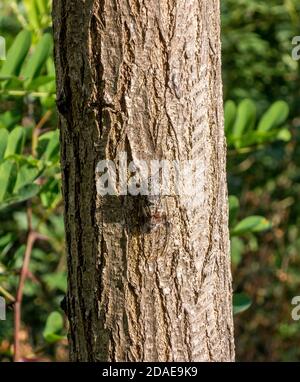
[143, 77]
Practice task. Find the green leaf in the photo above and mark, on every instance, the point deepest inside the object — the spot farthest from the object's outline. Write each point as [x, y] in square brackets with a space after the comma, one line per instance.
[5, 78]
[3, 142]
[14, 85]
[42, 6]
[245, 120]
[284, 135]
[50, 67]
[255, 137]
[40, 81]
[16, 54]
[16, 260]
[48, 145]
[274, 117]
[52, 147]
[54, 323]
[230, 115]
[57, 280]
[38, 59]
[8, 174]
[50, 194]
[32, 13]
[237, 248]
[234, 205]
[53, 328]
[15, 141]
[52, 338]
[26, 175]
[9, 119]
[241, 302]
[251, 224]
[26, 192]
[6, 239]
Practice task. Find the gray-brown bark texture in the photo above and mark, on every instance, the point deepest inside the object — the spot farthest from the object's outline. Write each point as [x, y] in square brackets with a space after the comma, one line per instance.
[143, 76]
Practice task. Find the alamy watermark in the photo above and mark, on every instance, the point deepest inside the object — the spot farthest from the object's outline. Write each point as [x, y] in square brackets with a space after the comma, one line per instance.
[296, 310]
[153, 177]
[2, 309]
[296, 50]
[2, 48]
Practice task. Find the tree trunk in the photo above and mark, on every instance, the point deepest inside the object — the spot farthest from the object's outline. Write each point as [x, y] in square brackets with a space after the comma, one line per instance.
[144, 77]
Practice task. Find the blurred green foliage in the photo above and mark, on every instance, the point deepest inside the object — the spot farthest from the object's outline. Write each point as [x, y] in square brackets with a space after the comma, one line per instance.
[30, 180]
[262, 79]
[262, 128]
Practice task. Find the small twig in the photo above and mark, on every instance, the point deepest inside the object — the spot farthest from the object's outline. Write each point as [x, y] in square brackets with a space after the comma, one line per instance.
[29, 216]
[19, 15]
[32, 277]
[31, 238]
[19, 297]
[37, 130]
[6, 294]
